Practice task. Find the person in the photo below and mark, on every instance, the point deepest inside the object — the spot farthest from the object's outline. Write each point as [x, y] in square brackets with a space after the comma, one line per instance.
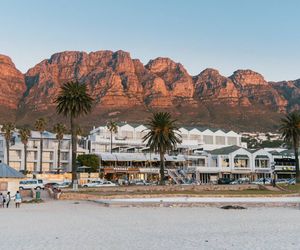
[2, 200]
[274, 182]
[8, 198]
[18, 199]
[264, 180]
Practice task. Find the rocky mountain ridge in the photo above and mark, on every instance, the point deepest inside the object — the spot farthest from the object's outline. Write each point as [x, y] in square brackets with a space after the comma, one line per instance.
[126, 90]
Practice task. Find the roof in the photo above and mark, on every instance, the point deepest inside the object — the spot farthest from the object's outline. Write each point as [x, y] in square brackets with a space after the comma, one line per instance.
[225, 150]
[9, 172]
[175, 158]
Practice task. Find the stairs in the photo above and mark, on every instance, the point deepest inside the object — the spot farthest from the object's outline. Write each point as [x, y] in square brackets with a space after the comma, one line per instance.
[179, 177]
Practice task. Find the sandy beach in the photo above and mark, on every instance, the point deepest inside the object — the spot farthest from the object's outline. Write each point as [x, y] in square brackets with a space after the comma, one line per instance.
[87, 225]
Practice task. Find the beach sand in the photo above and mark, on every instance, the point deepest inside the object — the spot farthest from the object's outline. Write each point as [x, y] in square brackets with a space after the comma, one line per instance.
[87, 225]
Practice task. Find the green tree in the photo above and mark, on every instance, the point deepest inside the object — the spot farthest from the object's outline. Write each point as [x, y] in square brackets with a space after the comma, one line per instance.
[60, 130]
[73, 101]
[40, 125]
[25, 134]
[290, 130]
[113, 128]
[8, 129]
[89, 160]
[163, 136]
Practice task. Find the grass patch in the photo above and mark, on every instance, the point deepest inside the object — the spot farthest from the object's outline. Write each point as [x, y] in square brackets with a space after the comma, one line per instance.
[292, 188]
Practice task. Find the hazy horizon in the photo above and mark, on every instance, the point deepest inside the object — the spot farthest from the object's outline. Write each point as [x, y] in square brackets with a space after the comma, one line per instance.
[225, 36]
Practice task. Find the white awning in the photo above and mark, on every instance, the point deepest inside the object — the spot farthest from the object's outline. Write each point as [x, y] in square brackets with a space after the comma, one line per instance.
[107, 157]
[175, 158]
[130, 157]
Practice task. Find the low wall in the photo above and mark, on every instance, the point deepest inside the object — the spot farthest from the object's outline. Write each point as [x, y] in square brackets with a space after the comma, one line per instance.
[175, 188]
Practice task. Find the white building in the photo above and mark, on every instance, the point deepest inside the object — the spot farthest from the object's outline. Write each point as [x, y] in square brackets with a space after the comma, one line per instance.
[50, 152]
[130, 135]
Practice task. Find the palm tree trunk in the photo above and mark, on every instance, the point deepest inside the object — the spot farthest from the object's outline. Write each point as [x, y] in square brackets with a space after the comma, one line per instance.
[58, 156]
[162, 168]
[296, 151]
[110, 141]
[25, 159]
[7, 152]
[74, 149]
[41, 153]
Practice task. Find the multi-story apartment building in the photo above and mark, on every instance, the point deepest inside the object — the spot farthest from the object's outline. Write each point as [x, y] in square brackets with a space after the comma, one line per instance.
[50, 152]
[130, 135]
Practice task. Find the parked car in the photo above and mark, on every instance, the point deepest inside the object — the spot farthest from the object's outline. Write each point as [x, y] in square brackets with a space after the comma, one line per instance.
[92, 184]
[224, 181]
[282, 181]
[261, 181]
[65, 184]
[142, 183]
[107, 184]
[240, 181]
[32, 183]
[292, 181]
[51, 184]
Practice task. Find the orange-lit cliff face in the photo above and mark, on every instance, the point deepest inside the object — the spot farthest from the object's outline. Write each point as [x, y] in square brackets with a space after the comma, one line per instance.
[125, 89]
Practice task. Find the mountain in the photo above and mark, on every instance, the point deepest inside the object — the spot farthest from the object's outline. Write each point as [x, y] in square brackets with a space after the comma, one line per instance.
[125, 89]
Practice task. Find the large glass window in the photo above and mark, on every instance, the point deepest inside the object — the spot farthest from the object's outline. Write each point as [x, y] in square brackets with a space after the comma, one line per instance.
[220, 140]
[231, 140]
[208, 139]
[241, 162]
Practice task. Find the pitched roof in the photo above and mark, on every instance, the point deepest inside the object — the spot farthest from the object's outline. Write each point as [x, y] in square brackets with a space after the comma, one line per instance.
[9, 172]
[225, 150]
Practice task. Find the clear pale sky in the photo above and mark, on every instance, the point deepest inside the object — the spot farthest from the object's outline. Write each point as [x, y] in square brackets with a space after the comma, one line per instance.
[227, 35]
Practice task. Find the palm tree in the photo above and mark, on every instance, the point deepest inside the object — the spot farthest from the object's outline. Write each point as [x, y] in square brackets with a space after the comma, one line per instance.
[25, 133]
[60, 130]
[8, 129]
[73, 101]
[40, 125]
[113, 128]
[163, 136]
[290, 130]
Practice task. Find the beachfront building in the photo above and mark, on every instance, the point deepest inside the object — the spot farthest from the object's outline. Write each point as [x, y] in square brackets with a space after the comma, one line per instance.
[231, 162]
[284, 163]
[129, 137]
[50, 152]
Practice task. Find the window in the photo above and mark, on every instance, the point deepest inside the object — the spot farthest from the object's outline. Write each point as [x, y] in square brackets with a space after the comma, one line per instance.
[225, 163]
[208, 139]
[232, 140]
[220, 140]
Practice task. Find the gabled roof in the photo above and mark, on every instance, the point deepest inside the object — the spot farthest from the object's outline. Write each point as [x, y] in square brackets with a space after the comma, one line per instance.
[9, 172]
[225, 150]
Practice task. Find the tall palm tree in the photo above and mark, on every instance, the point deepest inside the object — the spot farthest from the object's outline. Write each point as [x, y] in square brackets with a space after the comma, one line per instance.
[25, 134]
[60, 130]
[290, 130]
[8, 129]
[73, 101]
[40, 125]
[113, 128]
[163, 136]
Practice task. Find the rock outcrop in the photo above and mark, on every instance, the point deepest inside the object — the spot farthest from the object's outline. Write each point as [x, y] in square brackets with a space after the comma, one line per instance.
[12, 84]
[126, 89]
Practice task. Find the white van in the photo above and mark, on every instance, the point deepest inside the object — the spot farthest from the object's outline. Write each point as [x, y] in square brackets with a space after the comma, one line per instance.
[33, 183]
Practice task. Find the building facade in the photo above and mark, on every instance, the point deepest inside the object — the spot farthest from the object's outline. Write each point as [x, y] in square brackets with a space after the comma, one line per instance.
[131, 136]
[49, 157]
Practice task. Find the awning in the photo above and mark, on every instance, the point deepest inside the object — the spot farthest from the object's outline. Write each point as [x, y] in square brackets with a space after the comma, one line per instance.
[262, 157]
[175, 158]
[152, 157]
[108, 157]
[242, 156]
[130, 157]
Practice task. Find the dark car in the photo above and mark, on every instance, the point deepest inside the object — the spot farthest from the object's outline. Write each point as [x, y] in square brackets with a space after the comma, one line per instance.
[224, 181]
[51, 185]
